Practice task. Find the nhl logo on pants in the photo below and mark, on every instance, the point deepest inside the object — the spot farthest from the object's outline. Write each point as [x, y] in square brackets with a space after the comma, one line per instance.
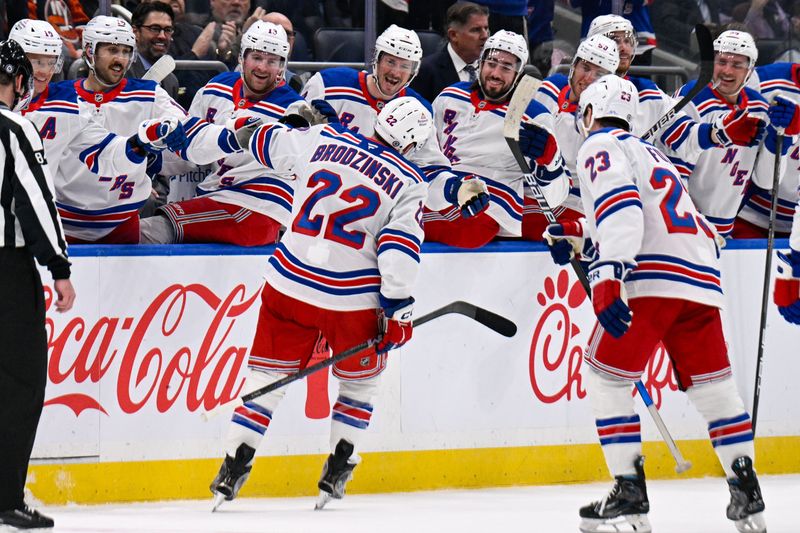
[365, 361]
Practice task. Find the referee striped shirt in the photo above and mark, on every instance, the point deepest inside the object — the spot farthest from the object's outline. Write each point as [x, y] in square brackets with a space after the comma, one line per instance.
[29, 217]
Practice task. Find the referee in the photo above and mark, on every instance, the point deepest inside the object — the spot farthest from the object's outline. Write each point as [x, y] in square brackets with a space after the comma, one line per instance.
[29, 227]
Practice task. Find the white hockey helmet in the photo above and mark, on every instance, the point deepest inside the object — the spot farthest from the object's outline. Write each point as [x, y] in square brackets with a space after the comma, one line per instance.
[38, 37]
[111, 30]
[398, 42]
[404, 121]
[510, 42]
[265, 37]
[737, 42]
[609, 97]
[608, 24]
[598, 50]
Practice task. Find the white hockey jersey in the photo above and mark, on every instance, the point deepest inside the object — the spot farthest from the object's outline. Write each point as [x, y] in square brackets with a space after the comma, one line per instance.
[771, 80]
[239, 179]
[717, 177]
[470, 133]
[92, 205]
[638, 211]
[346, 90]
[356, 226]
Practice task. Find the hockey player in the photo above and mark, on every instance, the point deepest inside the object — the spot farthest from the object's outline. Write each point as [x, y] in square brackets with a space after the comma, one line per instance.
[357, 97]
[96, 207]
[238, 203]
[356, 223]
[67, 133]
[776, 81]
[718, 176]
[469, 120]
[647, 229]
[787, 283]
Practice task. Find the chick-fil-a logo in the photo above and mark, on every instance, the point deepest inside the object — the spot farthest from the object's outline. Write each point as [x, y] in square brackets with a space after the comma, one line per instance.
[158, 357]
[558, 341]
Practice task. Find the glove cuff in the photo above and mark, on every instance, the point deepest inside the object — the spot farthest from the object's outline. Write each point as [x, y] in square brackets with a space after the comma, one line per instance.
[600, 271]
[397, 308]
[451, 186]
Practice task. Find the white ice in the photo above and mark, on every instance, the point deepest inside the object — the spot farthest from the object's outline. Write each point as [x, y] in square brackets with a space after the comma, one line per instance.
[677, 506]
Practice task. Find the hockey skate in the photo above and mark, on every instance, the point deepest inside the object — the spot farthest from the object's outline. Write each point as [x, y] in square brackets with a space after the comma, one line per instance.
[25, 518]
[335, 474]
[624, 509]
[232, 475]
[746, 508]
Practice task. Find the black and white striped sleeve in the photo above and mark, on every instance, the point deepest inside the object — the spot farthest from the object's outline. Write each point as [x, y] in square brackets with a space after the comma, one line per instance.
[33, 194]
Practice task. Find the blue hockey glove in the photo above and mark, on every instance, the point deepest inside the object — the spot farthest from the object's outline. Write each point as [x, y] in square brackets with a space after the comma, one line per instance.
[156, 135]
[243, 129]
[785, 114]
[537, 144]
[607, 279]
[469, 194]
[738, 128]
[787, 286]
[326, 110]
[565, 240]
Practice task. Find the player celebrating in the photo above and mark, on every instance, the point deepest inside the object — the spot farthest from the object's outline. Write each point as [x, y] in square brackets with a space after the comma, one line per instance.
[98, 207]
[647, 228]
[238, 203]
[373, 250]
[718, 176]
[779, 81]
[469, 124]
[357, 98]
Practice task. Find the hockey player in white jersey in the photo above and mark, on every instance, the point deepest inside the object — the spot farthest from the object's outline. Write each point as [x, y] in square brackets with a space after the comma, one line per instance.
[94, 206]
[717, 177]
[357, 97]
[657, 279]
[347, 274]
[469, 120]
[65, 132]
[779, 80]
[239, 202]
[787, 283]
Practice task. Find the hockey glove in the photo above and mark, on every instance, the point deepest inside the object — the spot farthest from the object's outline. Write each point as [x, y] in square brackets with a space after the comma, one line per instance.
[565, 240]
[156, 135]
[607, 279]
[537, 144]
[787, 286]
[243, 129]
[738, 128]
[394, 323]
[785, 114]
[469, 194]
[319, 112]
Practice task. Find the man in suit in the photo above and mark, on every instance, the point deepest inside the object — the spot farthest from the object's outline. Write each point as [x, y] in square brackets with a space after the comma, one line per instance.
[153, 25]
[467, 30]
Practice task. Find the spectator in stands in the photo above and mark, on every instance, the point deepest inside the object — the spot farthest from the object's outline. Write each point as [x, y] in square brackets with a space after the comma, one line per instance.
[540, 33]
[153, 26]
[764, 19]
[229, 16]
[507, 15]
[674, 21]
[467, 30]
[428, 15]
[637, 12]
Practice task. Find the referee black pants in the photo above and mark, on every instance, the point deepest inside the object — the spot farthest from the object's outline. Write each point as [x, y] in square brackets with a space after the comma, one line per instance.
[23, 369]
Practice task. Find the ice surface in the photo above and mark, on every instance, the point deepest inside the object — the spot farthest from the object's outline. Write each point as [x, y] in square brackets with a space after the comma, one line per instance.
[678, 506]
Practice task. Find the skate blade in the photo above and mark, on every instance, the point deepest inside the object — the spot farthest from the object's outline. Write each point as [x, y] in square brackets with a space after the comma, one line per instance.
[218, 499]
[752, 524]
[637, 523]
[322, 500]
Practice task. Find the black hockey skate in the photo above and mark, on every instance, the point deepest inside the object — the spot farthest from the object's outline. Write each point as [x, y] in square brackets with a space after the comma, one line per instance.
[624, 509]
[232, 475]
[25, 518]
[746, 508]
[335, 474]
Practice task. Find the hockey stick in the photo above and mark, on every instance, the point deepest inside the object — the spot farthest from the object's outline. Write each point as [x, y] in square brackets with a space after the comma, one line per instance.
[706, 47]
[160, 69]
[493, 321]
[773, 209]
[516, 109]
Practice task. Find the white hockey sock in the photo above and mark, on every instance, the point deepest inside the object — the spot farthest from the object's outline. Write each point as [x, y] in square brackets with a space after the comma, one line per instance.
[617, 423]
[156, 230]
[353, 412]
[250, 421]
[729, 425]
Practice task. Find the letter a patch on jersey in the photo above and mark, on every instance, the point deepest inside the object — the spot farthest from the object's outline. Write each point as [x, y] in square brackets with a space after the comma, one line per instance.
[48, 130]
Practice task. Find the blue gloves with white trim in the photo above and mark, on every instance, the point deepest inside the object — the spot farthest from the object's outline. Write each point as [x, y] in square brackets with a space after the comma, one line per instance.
[607, 280]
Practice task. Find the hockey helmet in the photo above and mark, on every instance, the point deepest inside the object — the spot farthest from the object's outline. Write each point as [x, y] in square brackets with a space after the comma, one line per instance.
[608, 24]
[404, 121]
[398, 42]
[111, 30]
[14, 62]
[265, 37]
[598, 50]
[510, 42]
[609, 97]
[737, 42]
[38, 37]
